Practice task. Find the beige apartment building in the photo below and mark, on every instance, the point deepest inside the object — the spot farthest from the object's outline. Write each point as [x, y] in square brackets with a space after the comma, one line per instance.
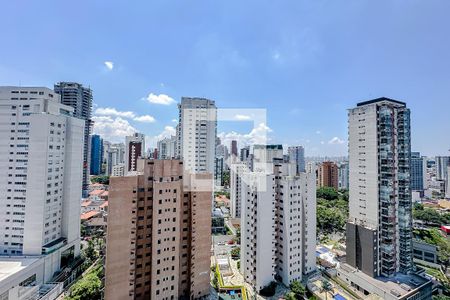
[159, 234]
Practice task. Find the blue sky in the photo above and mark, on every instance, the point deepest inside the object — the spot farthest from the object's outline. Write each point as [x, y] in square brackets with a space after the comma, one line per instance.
[306, 62]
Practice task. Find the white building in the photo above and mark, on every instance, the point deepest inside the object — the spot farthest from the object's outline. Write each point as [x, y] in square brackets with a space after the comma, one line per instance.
[134, 149]
[114, 155]
[118, 170]
[196, 134]
[278, 225]
[167, 148]
[40, 186]
[236, 172]
[42, 163]
[24, 278]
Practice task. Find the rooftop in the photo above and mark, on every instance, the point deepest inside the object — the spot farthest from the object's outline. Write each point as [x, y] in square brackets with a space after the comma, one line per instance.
[12, 265]
[399, 286]
[381, 99]
[89, 215]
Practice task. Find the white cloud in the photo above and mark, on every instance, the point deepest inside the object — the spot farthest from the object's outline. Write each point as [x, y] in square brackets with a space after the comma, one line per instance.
[322, 143]
[159, 99]
[144, 119]
[175, 120]
[110, 111]
[258, 135]
[109, 65]
[318, 132]
[242, 117]
[167, 132]
[112, 129]
[335, 141]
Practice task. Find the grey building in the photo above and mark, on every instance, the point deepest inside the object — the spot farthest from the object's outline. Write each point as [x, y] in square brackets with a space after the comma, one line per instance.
[442, 162]
[425, 252]
[245, 152]
[417, 172]
[80, 98]
[297, 156]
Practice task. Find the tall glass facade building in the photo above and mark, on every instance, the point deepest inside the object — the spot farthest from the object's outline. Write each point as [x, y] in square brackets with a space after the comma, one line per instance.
[417, 172]
[96, 155]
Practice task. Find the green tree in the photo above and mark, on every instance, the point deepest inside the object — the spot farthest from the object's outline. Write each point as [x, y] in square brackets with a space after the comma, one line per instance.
[236, 253]
[226, 178]
[89, 253]
[298, 289]
[103, 179]
[87, 288]
[290, 296]
[328, 193]
[326, 287]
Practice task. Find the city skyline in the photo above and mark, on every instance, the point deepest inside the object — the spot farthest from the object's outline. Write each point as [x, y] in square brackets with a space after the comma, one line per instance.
[345, 57]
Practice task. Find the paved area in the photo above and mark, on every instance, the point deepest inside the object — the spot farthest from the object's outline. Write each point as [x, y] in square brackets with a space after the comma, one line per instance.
[223, 248]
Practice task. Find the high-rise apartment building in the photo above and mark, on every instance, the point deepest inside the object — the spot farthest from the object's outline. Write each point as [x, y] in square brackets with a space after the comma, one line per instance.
[328, 175]
[196, 134]
[80, 98]
[118, 170]
[245, 153]
[167, 148]
[219, 167]
[234, 148]
[237, 169]
[41, 157]
[417, 172]
[343, 174]
[96, 154]
[442, 162]
[159, 234]
[379, 232]
[278, 225]
[114, 155]
[134, 149]
[447, 184]
[264, 156]
[380, 195]
[297, 156]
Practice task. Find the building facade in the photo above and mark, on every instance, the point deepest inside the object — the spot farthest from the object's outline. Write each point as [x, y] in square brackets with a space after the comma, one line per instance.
[237, 169]
[328, 175]
[379, 232]
[343, 174]
[80, 98]
[42, 179]
[297, 156]
[167, 148]
[278, 225]
[159, 235]
[442, 162]
[96, 154]
[379, 252]
[196, 134]
[417, 172]
[134, 149]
